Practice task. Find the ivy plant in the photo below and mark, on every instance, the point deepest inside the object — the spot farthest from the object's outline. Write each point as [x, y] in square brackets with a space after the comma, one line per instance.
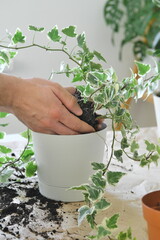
[101, 86]
[140, 21]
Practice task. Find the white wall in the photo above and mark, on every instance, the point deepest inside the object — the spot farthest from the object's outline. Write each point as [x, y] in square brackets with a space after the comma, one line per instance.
[86, 14]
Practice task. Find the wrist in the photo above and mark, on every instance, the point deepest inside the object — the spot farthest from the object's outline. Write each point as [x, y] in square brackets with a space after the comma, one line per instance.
[8, 92]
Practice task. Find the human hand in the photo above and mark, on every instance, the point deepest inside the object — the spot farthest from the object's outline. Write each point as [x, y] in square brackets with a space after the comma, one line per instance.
[47, 107]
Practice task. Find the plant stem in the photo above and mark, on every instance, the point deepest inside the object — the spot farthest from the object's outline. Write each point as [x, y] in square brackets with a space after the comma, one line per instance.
[19, 158]
[43, 47]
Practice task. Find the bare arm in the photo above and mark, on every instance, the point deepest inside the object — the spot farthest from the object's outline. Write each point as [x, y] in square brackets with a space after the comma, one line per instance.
[41, 105]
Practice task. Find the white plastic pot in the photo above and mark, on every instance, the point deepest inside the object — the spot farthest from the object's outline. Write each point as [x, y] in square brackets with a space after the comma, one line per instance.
[157, 111]
[65, 161]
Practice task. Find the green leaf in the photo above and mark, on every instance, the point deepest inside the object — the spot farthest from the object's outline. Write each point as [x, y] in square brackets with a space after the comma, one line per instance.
[2, 134]
[114, 177]
[142, 68]
[150, 146]
[12, 54]
[27, 134]
[94, 193]
[88, 90]
[124, 143]
[54, 35]
[99, 56]
[5, 150]
[4, 56]
[81, 39]
[92, 79]
[98, 166]
[18, 37]
[102, 204]
[31, 168]
[80, 88]
[2, 160]
[91, 219]
[134, 146]
[122, 236]
[111, 223]
[26, 156]
[3, 114]
[83, 212]
[70, 31]
[81, 188]
[102, 232]
[77, 78]
[4, 124]
[118, 154]
[5, 175]
[33, 28]
[99, 180]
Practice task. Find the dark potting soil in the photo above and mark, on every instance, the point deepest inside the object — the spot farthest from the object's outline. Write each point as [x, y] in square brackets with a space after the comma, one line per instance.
[88, 114]
[22, 212]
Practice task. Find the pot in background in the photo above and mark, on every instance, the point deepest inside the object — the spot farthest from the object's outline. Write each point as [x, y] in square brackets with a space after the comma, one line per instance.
[64, 161]
[151, 212]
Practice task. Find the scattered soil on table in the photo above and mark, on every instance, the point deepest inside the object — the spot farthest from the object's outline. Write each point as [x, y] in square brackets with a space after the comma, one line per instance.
[22, 212]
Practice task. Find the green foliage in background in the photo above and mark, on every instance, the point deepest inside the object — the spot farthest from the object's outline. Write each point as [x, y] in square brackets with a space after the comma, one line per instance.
[139, 21]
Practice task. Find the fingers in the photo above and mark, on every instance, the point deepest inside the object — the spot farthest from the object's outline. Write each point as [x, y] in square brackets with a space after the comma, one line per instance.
[67, 99]
[73, 122]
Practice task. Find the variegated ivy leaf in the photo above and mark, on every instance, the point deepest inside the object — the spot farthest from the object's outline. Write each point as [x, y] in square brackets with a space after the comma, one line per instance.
[99, 56]
[99, 180]
[5, 175]
[77, 78]
[54, 34]
[31, 168]
[12, 54]
[27, 134]
[81, 39]
[5, 150]
[26, 156]
[118, 154]
[102, 204]
[3, 114]
[114, 177]
[91, 219]
[150, 146]
[4, 56]
[18, 37]
[102, 232]
[142, 68]
[2, 160]
[98, 166]
[111, 223]
[33, 28]
[94, 192]
[134, 146]
[70, 31]
[2, 134]
[88, 90]
[83, 212]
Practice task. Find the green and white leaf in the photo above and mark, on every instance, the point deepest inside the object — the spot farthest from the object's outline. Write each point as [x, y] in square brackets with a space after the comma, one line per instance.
[114, 177]
[70, 31]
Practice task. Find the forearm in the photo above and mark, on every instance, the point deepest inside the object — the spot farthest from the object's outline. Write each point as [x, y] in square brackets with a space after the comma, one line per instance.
[7, 92]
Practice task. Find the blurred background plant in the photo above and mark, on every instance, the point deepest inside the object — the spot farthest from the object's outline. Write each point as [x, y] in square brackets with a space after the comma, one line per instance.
[140, 20]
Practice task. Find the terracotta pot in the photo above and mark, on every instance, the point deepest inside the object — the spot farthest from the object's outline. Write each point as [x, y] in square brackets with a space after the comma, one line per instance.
[151, 212]
[64, 161]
